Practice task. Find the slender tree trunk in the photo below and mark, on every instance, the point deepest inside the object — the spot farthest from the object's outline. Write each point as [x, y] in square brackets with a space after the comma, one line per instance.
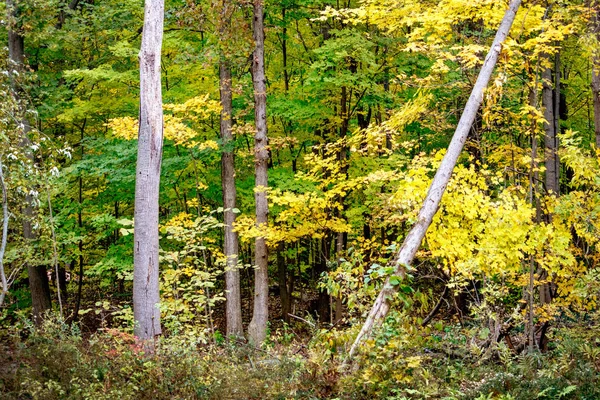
[595, 28]
[38, 279]
[323, 252]
[257, 330]
[284, 294]
[150, 140]
[596, 96]
[5, 216]
[413, 240]
[80, 225]
[550, 155]
[286, 75]
[552, 163]
[230, 247]
[535, 202]
[340, 247]
[551, 139]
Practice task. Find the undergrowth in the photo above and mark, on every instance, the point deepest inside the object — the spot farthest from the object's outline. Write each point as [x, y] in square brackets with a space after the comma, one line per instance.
[402, 362]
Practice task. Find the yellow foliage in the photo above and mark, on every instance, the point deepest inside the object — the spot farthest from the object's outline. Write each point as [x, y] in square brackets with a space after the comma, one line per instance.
[177, 125]
[124, 127]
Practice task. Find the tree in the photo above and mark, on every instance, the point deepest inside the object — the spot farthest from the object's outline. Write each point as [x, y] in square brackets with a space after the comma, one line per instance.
[38, 279]
[415, 236]
[230, 246]
[257, 330]
[150, 141]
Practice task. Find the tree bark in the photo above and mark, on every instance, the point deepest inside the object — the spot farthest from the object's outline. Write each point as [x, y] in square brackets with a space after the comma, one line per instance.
[551, 139]
[257, 330]
[323, 254]
[596, 95]
[231, 247]
[150, 140]
[38, 279]
[432, 201]
[284, 293]
[596, 72]
[80, 225]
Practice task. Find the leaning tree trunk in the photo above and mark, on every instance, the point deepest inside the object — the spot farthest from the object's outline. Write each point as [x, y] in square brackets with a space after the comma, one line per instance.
[257, 330]
[233, 310]
[38, 279]
[150, 140]
[432, 201]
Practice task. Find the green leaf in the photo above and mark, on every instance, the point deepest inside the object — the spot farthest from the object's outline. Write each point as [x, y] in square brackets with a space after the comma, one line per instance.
[395, 280]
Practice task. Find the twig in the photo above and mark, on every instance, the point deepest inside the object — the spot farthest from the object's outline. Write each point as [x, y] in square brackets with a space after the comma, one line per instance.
[302, 319]
[430, 316]
[54, 249]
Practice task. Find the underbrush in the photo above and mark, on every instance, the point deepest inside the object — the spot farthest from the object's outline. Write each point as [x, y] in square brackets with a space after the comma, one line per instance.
[402, 362]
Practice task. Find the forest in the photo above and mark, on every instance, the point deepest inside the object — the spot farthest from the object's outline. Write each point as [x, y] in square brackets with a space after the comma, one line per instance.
[303, 199]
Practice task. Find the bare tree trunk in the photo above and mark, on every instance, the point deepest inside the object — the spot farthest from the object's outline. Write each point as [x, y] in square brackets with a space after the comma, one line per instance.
[38, 280]
[80, 225]
[535, 202]
[284, 294]
[595, 28]
[150, 140]
[323, 253]
[340, 248]
[550, 140]
[596, 95]
[231, 247]
[432, 201]
[257, 330]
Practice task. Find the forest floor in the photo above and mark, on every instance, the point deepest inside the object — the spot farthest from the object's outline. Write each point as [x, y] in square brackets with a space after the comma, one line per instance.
[299, 360]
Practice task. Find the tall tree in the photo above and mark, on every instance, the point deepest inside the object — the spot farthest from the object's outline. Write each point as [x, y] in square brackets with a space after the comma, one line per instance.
[150, 141]
[38, 279]
[257, 330]
[431, 204]
[231, 246]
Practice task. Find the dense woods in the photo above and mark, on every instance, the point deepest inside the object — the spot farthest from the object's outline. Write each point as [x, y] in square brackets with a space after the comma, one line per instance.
[300, 199]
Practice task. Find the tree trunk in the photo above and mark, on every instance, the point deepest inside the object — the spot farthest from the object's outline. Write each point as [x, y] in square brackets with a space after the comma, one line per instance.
[257, 330]
[233, 310]
[5, 216]
[341, 244]
[413, 240]
[284, 294]
[551, 139]
[230, 248]
[80, 225]
[596, 95]
[595, 28]
[323, 253]
[38, 279]
[150, 140]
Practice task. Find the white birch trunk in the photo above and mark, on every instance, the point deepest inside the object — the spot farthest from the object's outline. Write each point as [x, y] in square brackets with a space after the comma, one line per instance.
[150, 140]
